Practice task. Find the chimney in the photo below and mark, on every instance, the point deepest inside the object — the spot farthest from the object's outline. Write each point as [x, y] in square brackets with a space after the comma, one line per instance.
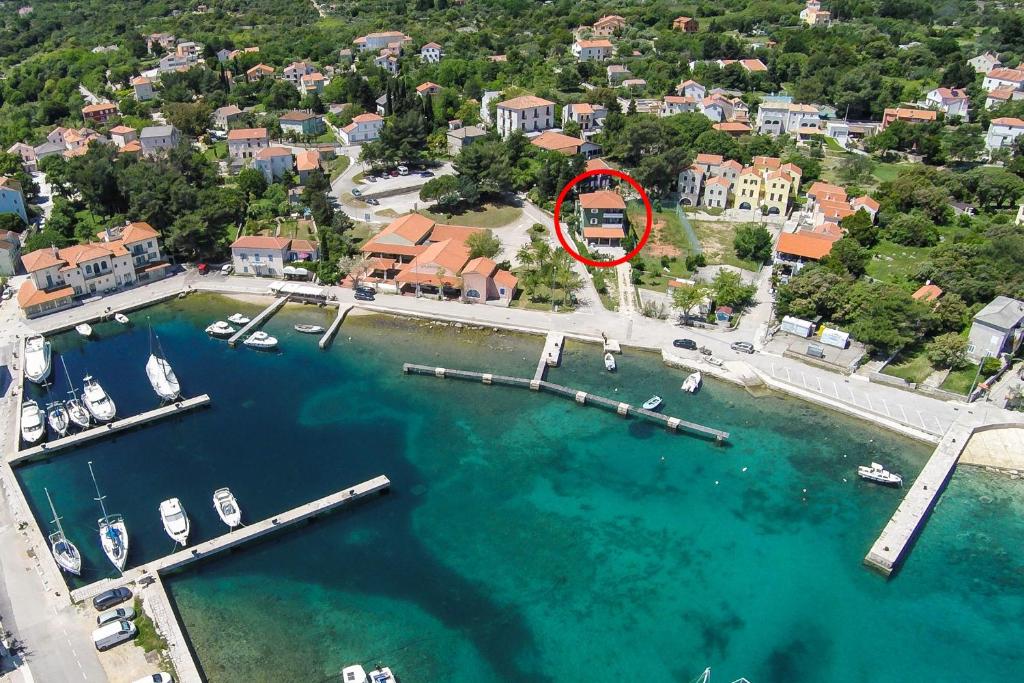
[54, 250]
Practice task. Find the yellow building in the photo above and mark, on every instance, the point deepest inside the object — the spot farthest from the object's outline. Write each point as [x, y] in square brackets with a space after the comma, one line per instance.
[768, 183]
[748, 189]
[777, 188]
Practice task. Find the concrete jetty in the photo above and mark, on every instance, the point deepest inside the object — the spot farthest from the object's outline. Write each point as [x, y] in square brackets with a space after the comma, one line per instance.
[259, 319]
[49, 448]
[580, 397]
[328, 337]
[157, 604]
[551, 356]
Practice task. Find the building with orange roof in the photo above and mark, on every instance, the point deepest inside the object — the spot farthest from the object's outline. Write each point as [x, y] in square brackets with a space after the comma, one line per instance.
[133, 147]
[733, 128]
[379, 40]
[427, 88]
[526, 113]
[716, 192]
[127, 255]
[99, 112]
[603, 218]
[609, 24]
[483, 282]
[306, 162]
[266, 256]
[565, 144]
[1003, 78]
[302, 122]
[598, 50]
[927, 292]
[273, 162]
[122, 135]
[244, 143]
[907, 115]
[431, 53]
[258, 72]
[794, 250]
[767, 185]
[1002, 132]
[588, 116]
[143, 88]
[364, 128]
[685, 24]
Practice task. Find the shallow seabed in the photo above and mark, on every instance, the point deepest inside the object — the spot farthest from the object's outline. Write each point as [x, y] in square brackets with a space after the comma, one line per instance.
[525, 537]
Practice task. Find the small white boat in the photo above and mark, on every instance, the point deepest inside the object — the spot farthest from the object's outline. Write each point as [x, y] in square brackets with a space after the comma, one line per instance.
[652, 403]
[239, 319]
[113, 532]
[692, 383]
[220, 329]
[609, 362]
[175, 520]
[121, 318]
[96, 400]
[84, 329]
[879, 475]
[357, 674]
[717, 362]
[77, 412]
[261, 340]
[161, 375]
[227, 507]
[33, 427]
[37, 359]
[57, 416]
[309, 329]
[64, 551]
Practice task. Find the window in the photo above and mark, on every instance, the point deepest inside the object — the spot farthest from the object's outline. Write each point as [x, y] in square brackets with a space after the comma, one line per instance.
[593, 221]
[88, 269]
[501, 291]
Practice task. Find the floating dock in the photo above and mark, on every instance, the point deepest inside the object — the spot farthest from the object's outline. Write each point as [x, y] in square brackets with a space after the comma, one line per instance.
[48, 448]
[581, 397]
[551, 356]
[243, 534]
[259, 319]
[328, 337]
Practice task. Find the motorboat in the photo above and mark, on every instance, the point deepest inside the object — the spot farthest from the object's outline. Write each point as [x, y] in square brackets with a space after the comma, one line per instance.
[121, 318]
[227, 507]
[717, 362]
[260, 340]
[357, 674]
[57, 416]
[161, 375]
[382, 674]
[609, 362]
[84, 329]
[113, 532]
[175, 520]
[879, 475]
[309, 329]
[64, 551]
[239, 319]
[692, 383]
[33, 427]
[96, 400]
[76, 410]
[220, 329]
[37, 359]
[652, 403]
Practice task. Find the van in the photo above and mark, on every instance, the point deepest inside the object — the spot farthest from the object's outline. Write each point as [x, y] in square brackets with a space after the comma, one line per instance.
[403, 170]
[114, 633]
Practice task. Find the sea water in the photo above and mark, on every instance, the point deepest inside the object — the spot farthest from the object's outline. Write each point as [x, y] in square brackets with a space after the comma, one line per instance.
[526, 537]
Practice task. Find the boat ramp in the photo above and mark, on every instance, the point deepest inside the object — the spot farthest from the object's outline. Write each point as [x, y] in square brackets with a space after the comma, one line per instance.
[263, 316]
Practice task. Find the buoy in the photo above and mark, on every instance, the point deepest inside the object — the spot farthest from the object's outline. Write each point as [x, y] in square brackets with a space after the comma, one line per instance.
[744, 469]
[805, 490]
[716, 482]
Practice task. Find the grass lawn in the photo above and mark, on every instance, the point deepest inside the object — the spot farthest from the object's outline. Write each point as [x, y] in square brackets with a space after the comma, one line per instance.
[488, 216]
[913, 369]
[960, 381]
[888, 171]
[326, 136]
[717, 239]
[336, 166]
[892, 262]
[551, 296]
[299, 229]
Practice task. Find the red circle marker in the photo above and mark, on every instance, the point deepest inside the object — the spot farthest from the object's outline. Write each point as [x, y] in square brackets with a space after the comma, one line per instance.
[639, 245]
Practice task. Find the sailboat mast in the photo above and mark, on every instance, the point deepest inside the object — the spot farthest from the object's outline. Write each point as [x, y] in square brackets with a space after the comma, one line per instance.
[99, 497]
[56, 518]
[71, 386]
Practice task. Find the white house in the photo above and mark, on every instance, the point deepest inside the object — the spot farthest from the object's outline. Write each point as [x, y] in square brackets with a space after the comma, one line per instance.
[388, 62]
[996, 329]
[143, 88]
[691, 88]
[154, 139]
[778, 116]
[431, 53]
[952, 101]
[1003, 131]
[11, 198]
[677, 104]
[267, 256]
[364, 128]
[243, 143]
[294, 72]
[984, 63]
[716, 192]
[592, 50]
[1003, 78]
[273, 162]
[588, 116]
[376, 41]
[526, 113]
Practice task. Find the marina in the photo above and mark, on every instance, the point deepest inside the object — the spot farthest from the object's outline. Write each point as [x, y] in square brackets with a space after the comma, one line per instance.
[263, 317]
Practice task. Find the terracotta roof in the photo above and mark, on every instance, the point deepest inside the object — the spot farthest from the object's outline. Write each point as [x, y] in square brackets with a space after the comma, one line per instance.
[595, 164]
[246, 133]
[865, 201]
[805, 245]
[952, 93]
[307, 160]
[422, 87]
[1012, 75]
[260, 242]
[602, 199]
[557, 142]
[753, 65]
[709, 159]
[142, 80]
[581, 108]
[927, 292]
[1008, 121]
[382, 263]
[504, 278]
[1004, 93]
[600, 232]
[121, 130]
[480, 266]
[602, 42]
[448, 255]
[9, 182]
[99, 106]
[407, 230]
[687, 82]
[718, 180]
[39, 259]
[433, 45]
[732, 127]
[136, 232]
[733, 165]
[129, 147]
[29, 295]
[366, 118]
[261, 68]
[906, 113]
[299, 116]
[302, 245]
[678, 99]
[458, 233]
[525, 102]
[271, 152]
[767, 162]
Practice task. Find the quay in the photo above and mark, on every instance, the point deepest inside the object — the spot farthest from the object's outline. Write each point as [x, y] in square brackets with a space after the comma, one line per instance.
[243, 534]
[328, 337]
[580, 397]
[551, 356]
[47, 449]
[259, 319]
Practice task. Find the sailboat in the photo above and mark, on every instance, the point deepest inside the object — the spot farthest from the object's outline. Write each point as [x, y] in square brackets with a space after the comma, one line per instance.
[76, 411]
[57, 416]
[97, 400]
[64, 551]
[113, 533]
[37, 359]
[161, 376]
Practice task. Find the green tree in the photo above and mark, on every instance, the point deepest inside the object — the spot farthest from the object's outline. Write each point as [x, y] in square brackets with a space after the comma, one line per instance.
[860, 227]
[251, 182]
[483, 244]
[688, 297]
[912, 230]
[728, 290]
[847, 255]
[948, 351]
[753, 242]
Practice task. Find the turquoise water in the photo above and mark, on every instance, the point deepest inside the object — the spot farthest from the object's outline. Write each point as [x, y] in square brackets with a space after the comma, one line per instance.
[527, 538]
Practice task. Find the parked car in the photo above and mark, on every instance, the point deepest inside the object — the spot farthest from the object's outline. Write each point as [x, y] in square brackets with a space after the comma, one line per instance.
[366, 289]
[356, 192]
[742, 346]
[426, 174]
[227, 269]
[115, 633]
[685, 344]
[393, 173]
[116, 614]
[161, 677]
[363, 296]
[114, 596]
[372, 202]
[403, 170]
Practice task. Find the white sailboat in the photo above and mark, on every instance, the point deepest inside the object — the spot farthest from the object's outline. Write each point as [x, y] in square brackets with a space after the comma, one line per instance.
[227, 507]
[76, 411]
[692, 383]
[64, 551]
[32, 425]
[37, 359]
[57, 416]
[99, 404]
[175, 521]
[113, 533]
[161, 376]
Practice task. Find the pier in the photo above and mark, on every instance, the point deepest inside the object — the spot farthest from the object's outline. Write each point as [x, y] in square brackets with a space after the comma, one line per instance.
[328, 337]
[580, 397]
[264, 315]
[47, 449]
[551, 356]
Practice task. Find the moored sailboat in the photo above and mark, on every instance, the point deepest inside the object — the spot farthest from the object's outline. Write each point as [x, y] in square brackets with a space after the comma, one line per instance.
[113, 532]
[64, 551]
[57, 416]
[161, 376]
[37, 359]
[76, 410]
[97, 401]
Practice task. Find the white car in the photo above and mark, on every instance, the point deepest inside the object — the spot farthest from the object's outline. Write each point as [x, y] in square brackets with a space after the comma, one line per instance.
[227, 269]
[161, 677]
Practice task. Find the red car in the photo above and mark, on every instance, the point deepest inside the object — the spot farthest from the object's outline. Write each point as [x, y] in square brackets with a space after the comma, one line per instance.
[202, 268]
